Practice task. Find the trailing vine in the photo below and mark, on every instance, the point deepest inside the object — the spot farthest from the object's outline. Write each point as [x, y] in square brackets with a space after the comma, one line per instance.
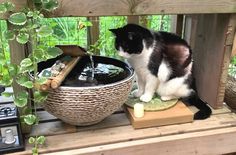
[27, 28]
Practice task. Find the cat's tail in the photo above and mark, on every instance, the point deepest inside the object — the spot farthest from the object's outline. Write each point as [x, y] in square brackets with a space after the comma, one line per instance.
[204, 110]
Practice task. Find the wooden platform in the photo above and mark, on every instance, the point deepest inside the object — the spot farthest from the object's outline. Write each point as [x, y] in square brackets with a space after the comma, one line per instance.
[115, 135]
[180, 113]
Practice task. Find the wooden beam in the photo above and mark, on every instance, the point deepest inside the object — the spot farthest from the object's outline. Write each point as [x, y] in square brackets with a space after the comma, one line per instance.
[137, 7]
[93, 33]
[211, 56]
[203, 142]
[17, 53]
[133, 19]
[179, 25]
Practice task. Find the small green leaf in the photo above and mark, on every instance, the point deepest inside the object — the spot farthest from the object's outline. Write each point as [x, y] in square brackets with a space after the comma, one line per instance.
[50, 5]
[7, 94]
[45, 31]
[30, 14]
[30, 119]
[18, 18]
[9, 35]
[21, 99]
[35, 151]
[40, 97]
[22, 38]
[26, 62]
[41, 140]
[13, 69]
[54, 52]
[31, 140]
[3, 8]
[23, 80]
[9, 6]
[28, 84]
[42, 80]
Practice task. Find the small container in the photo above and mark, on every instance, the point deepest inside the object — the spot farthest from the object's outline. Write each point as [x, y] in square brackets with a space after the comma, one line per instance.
[138, 110]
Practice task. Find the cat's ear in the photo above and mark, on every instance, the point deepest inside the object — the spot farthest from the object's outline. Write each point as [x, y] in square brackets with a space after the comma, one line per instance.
[131, 35]
[115, 31]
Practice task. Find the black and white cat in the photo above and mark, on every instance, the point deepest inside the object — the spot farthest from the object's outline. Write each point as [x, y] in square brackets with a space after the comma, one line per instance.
[163, 64]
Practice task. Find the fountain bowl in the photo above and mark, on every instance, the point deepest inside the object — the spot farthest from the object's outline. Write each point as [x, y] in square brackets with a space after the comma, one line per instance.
[89, 105]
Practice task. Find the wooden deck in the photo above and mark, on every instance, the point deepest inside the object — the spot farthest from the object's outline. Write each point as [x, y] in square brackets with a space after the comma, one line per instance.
[115, 135]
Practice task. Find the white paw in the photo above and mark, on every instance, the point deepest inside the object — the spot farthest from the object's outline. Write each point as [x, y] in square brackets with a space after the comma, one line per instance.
[136, 93]
[166, 98]
[146, 98]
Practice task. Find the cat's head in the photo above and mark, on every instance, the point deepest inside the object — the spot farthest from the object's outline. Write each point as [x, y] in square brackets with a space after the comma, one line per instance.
[129, 39]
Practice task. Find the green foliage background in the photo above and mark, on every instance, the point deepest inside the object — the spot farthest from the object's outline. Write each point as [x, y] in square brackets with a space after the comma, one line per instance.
[67, 31]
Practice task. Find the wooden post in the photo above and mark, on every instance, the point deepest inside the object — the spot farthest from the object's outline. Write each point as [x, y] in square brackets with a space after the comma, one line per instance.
[18, 52]
[93, 33]
[211, 50]
[133, 19]
[179, 25]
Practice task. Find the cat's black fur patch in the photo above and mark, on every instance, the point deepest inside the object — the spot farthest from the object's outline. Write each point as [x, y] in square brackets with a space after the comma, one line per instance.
[166, 46]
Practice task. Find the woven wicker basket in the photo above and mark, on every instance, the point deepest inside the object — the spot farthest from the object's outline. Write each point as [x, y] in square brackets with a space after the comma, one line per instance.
[88, 105]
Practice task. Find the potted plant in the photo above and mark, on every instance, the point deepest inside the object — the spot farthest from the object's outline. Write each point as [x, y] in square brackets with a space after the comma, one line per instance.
[230, 92]
[27, 29]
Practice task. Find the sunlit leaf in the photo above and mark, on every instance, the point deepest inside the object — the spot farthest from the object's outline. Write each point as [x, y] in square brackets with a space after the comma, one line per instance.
[53, 52]
[31, 140]
[45, 31]
[40, 97]
[21, 99]
[7, 94]
[9, 35]
[3, 8]
[22, 38]
[9, 6]
[18, 18]
[26, 62]
[41, 140]
[30, 119]
[50, 5]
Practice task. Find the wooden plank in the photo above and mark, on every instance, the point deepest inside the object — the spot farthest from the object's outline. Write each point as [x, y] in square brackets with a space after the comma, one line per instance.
[133, 19]
[182, 144]
[58, 127]
[230, 33]
[138, 7]
[115, 120]
[175, 115]
[127, 133]
[234, 47]
[208, 51]
[179, 25]
[93, 33]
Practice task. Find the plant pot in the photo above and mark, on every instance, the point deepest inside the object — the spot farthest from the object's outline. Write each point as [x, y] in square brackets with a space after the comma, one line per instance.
[230, 92]
[90, 105]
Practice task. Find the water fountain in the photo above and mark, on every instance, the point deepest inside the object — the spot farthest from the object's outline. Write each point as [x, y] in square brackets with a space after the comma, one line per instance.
[91, 92]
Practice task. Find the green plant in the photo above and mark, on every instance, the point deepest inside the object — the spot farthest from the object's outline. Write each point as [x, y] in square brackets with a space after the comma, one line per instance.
[27, 28]
[232, 67]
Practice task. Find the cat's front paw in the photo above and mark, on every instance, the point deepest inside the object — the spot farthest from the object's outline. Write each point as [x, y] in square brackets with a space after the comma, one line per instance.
[167, 98]
[137, 93]
[146, 98]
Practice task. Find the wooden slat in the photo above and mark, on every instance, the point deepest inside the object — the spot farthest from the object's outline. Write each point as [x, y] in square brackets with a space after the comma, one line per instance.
[234, 47]
[93, 33]
[179, 25]
[217, 141]
[209, 59]
[51, 126]
[138, 7]
[126, 133]
[58, 127]
[133, 19]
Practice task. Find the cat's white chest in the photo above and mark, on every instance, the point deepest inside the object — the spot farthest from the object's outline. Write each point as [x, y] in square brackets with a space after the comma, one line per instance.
[140, 62]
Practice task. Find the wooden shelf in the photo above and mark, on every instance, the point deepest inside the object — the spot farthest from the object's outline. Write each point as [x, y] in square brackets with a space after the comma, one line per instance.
[115, 135]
